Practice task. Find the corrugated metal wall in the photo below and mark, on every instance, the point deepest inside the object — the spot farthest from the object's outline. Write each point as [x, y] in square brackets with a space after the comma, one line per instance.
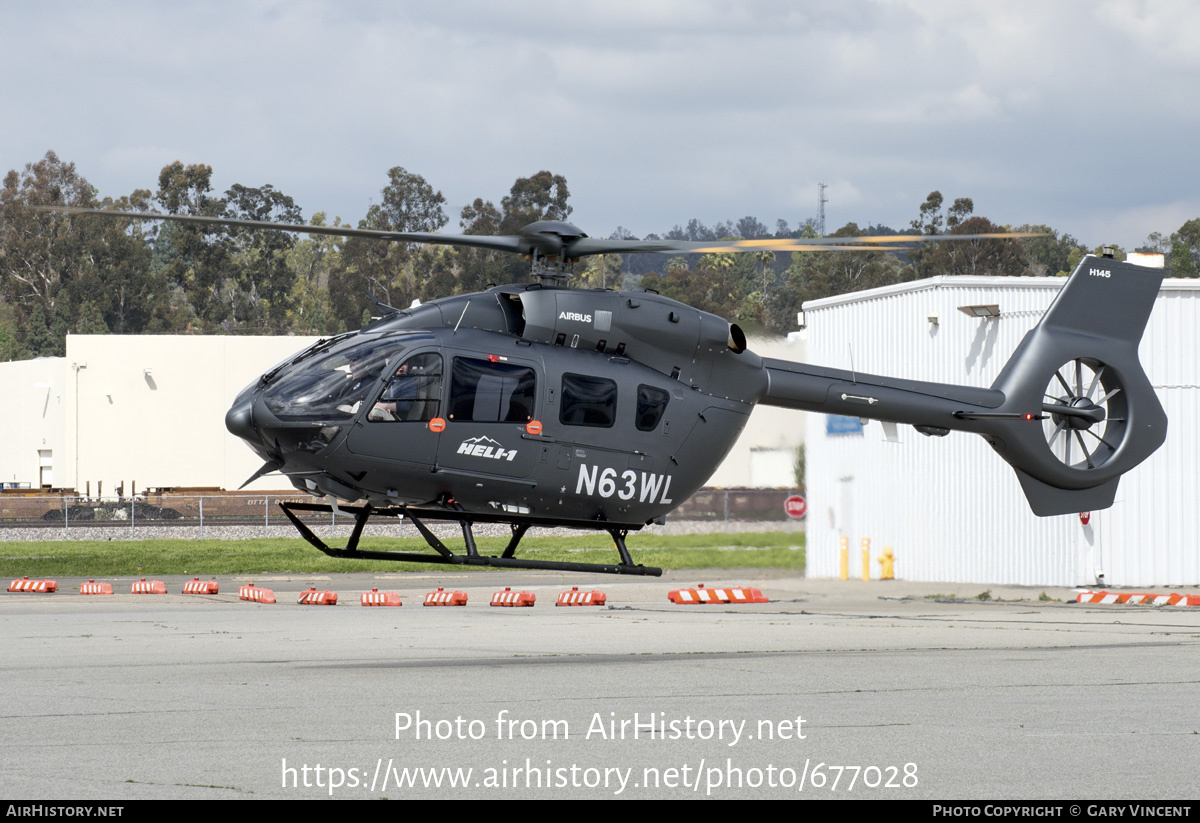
[949, 507]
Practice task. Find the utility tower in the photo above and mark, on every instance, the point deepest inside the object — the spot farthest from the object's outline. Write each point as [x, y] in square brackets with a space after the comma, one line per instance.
[821, 201]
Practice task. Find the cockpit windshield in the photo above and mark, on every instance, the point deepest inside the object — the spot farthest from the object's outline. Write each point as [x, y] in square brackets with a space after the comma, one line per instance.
[333, 384]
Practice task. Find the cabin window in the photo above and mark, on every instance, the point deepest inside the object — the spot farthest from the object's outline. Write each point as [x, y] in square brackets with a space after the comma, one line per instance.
[588, 401]
[486, 392]
[414, 393]
[651, 403]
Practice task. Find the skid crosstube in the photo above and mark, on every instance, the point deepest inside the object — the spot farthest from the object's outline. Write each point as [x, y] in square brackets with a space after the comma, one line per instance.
[507, 560]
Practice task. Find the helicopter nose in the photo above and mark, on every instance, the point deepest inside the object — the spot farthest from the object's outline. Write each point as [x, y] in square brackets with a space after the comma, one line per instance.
[240, 419]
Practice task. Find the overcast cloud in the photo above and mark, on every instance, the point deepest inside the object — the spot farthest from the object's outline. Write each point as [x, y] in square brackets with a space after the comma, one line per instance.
[1081, 115]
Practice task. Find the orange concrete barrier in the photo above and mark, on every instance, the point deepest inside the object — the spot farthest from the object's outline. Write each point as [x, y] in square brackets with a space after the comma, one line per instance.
[312, 597]
[699, 595]
[441, 597]
[377, 598]
[92, 587]
[1140, 598]
[510, 598]
[255, 595]
[27, 585]
[577, 598]
[198, 586]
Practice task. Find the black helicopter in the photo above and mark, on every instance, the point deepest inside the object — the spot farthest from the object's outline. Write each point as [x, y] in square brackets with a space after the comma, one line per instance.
[545, 405]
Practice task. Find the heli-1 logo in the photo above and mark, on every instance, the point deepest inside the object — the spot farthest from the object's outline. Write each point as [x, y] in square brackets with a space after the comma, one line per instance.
[486, 447]
[606, 483]
[574, 315]
[1100, 272]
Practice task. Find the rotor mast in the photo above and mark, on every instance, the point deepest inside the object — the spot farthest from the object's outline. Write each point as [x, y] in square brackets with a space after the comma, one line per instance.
[551, 271]
[547, 243]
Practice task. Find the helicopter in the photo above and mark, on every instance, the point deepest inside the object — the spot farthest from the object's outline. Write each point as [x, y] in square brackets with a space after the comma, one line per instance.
[543, 405]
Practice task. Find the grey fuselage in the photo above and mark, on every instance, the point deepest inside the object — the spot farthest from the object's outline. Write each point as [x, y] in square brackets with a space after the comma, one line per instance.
[612, 456]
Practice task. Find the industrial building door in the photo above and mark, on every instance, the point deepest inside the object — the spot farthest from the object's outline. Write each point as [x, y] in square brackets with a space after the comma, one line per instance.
[46, 468]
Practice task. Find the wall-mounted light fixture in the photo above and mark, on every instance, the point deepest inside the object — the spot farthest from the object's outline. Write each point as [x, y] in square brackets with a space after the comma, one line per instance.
[992, 310]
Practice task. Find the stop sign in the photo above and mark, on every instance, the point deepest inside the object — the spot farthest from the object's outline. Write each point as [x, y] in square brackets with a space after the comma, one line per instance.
[796, 507]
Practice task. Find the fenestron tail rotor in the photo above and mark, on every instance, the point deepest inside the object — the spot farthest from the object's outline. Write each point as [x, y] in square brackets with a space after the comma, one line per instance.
[1092, 411]
[1086, 414]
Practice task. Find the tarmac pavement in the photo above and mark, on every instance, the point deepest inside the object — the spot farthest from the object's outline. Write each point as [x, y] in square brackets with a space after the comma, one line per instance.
[832, 689]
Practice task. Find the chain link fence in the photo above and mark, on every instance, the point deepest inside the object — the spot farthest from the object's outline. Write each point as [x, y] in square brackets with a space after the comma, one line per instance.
[77, 516]
[736, 506]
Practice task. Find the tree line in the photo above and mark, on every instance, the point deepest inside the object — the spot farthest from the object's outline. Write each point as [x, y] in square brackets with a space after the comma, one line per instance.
[91, 275]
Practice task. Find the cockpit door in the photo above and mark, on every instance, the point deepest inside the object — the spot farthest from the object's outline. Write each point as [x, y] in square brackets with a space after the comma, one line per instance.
[400, 424]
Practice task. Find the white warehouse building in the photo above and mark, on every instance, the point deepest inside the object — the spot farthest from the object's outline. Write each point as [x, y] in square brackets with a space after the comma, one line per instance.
[950, 508]
[119, 411]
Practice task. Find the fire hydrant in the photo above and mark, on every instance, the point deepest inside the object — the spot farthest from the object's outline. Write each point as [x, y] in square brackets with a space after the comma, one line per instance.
[888, 561]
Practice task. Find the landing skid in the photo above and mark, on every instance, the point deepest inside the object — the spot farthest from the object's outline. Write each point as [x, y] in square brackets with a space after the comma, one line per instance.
[506, 560]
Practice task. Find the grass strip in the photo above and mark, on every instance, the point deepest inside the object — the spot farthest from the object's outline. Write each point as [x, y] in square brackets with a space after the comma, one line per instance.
[93, 558]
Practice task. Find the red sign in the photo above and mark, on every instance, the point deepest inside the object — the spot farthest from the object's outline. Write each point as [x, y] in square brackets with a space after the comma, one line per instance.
[796, 507]
[1084, 517]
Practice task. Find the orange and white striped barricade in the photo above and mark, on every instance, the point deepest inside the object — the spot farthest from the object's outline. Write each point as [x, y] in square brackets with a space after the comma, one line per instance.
[27, 585]
[1139, 598]
[377, 598]
[510, 598]
[92, 587]
[724, 594]
[198, 586]
[255, 595]
[312, 597]
[698, 595]
[745, 594]
[577, 598]
[1101, 597]
[145, 586]
[441, 597]
[1172, 599]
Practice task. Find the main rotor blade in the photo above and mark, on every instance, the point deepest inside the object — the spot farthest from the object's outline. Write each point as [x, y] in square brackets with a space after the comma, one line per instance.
[594, 245]
[519, 245]
[551, 243]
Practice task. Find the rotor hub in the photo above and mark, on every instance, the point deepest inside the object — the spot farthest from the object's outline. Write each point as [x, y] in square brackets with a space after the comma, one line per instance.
[1088, 413]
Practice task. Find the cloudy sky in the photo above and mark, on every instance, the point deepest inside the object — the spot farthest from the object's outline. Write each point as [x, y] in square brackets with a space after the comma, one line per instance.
[1081, 115]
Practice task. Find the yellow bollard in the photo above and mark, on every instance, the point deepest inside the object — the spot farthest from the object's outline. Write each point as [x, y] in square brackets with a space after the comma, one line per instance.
[888, 561]
[844, 562]
[866, 559]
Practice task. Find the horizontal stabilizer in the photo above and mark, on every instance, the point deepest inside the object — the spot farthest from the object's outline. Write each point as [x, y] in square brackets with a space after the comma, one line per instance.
[1046, 501]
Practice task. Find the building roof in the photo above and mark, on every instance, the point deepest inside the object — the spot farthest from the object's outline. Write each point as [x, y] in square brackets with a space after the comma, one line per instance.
[970, 281]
